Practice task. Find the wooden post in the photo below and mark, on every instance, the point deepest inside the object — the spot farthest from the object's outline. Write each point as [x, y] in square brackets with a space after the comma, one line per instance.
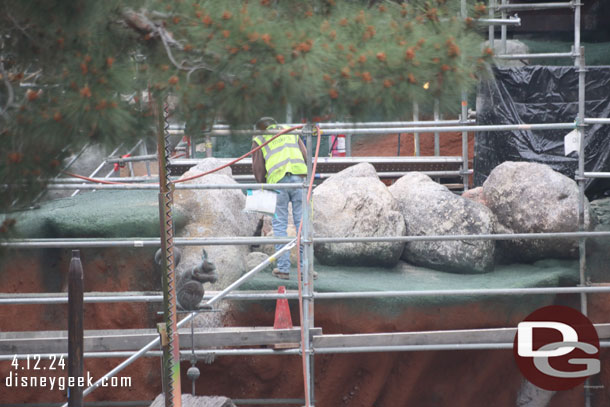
[75, 329]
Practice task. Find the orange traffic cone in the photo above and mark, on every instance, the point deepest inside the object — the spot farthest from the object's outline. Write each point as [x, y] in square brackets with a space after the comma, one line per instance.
[283, 320]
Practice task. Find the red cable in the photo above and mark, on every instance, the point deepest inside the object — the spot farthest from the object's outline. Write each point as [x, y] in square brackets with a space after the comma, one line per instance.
[303, 353]
[240, 158]
[100, 181]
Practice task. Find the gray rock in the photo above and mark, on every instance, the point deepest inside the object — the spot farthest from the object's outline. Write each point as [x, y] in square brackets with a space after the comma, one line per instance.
[255, 258]
[532, 198]
[355, 203]
[363, 170]
[512, 47]
[432, 209]
[196, 401]
[475, 194]
[209, 164]
[215, 213]
[601, 209]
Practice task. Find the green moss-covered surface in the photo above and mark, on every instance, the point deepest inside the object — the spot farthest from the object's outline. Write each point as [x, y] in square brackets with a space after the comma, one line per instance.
[404, 277]
[110, 214]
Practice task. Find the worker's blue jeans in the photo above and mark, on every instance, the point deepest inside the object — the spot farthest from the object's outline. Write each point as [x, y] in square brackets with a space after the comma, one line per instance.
[280, 220]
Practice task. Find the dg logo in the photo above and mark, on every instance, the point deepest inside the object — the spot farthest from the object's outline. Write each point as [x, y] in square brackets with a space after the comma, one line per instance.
[556, 348]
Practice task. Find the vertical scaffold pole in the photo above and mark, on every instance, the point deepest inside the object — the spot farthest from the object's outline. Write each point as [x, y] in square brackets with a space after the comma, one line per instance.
[492, 28]
[464, 118]
[308, 305]
[416, 150]
[582, 249]
[75, 328]
[437, 137]
[503, 29]
[171, 354]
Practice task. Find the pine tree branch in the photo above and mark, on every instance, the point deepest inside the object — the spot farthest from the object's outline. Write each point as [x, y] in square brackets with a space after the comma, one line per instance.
[16, 24]
[144, 25]
[9, 90]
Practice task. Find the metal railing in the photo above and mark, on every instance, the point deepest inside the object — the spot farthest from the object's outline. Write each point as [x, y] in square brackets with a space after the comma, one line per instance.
[463, 125]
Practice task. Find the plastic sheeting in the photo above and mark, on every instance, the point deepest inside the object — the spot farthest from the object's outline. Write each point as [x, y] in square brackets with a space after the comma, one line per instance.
[543, 94]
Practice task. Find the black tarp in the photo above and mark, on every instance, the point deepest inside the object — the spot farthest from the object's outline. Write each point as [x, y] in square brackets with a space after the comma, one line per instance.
[543, 94]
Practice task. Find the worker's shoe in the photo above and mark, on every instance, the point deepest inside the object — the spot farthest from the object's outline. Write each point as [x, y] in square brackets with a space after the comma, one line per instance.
[278, 274]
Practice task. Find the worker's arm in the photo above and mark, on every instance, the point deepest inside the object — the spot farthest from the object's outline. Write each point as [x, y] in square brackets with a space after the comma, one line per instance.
[303, 150]
[258, 165]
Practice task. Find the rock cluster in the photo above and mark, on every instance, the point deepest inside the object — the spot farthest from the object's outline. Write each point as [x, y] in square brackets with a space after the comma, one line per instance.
[355, 203]
[432, 209]
[516, 198]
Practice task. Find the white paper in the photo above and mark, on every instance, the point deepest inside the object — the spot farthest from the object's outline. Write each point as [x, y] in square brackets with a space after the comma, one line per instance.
[571, 142]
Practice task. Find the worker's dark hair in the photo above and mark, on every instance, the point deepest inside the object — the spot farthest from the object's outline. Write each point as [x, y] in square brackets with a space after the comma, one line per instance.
[265, 122]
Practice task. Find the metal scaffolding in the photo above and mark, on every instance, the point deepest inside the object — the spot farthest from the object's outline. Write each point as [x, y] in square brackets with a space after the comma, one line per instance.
[309, 296]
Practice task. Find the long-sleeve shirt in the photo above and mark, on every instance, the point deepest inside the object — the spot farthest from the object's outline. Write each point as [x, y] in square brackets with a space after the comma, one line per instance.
[258, 162]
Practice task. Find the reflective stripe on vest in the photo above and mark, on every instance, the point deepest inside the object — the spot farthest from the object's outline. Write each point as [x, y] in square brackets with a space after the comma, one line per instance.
[282, 155]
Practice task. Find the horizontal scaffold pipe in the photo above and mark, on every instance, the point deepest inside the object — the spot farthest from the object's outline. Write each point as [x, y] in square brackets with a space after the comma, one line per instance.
[177, 186]
[111, 179]
[228, 241]
[216, 127]
[451, 129]
[96, 298]
[93, 186]
[347, 160]
[471, 292]
[597, 174]
[121, 160]
[187, 354]
[496, 236]
[91, 298]
[597, 120]
[144, 242]
[335, 125]
[399, 174]
[538, 56]
[535, 6]
[500, 21]
[419, 348]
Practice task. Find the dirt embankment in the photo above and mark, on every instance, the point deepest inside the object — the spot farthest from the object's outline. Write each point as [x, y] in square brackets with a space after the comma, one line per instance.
[439, 378]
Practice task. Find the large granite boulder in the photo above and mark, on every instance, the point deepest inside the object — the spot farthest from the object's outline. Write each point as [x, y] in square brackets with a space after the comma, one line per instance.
[432, 209]
[215, 213]
[533, 198]
[512, 47]
[355, 203]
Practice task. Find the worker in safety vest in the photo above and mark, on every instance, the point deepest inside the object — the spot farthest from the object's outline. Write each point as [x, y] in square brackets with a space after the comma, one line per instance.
[281, 161]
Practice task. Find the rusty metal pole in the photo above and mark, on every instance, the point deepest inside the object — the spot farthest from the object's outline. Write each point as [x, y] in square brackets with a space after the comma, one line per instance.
[171, 353]
[75, 329]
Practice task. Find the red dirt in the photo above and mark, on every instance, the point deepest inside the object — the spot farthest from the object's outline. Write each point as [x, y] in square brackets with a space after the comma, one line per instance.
[387, 145]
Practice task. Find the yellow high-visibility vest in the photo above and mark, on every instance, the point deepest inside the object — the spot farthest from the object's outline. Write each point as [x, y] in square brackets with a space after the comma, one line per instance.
[282, 155]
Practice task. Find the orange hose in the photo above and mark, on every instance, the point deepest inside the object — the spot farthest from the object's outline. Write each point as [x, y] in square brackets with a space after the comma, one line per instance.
[303, 350]
[101, 181]
[240, 158]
